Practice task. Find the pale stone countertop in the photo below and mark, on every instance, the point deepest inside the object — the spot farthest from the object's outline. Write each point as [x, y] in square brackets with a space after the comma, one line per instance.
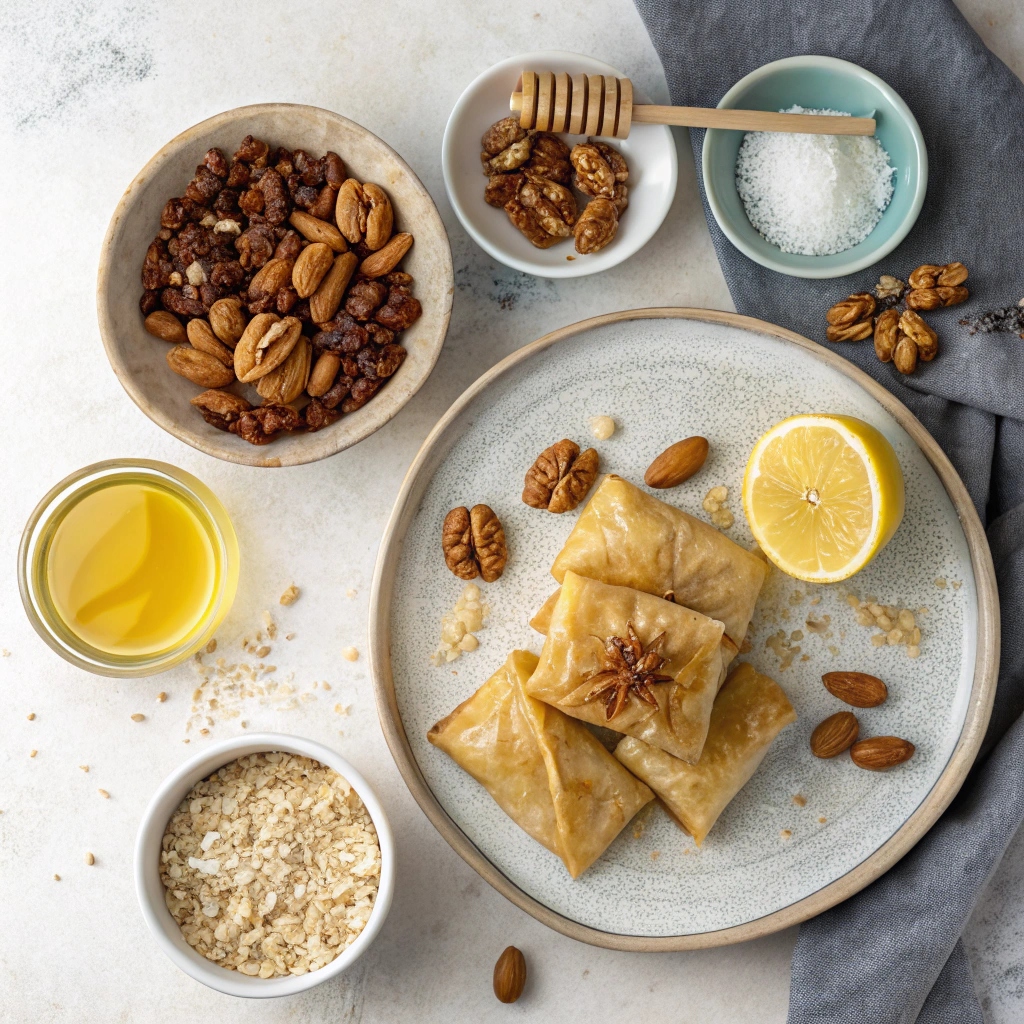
[91, 91]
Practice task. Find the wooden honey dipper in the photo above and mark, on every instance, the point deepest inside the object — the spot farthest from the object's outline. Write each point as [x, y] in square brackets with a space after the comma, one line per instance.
[603, 105]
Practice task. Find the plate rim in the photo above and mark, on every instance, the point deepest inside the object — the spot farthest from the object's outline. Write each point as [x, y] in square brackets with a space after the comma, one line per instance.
[986, 666]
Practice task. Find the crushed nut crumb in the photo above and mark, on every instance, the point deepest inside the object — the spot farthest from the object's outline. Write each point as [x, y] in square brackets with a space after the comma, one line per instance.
[31, 716]
[714, 505]
[290, 596]
[350, 654]
[56, 878]
[602, 427]
[138, 717]
[271, 865]
[161, 696]
[103, 793]
[32, 753]
[464, 620]
[821, 821]
[940, 582]
[655, 854]
[89, 858]
[786, 833]
[351, 592]
[800, 800]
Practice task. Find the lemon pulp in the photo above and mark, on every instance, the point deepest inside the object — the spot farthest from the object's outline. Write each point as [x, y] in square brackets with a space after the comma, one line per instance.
[131, 569]
[823, 494]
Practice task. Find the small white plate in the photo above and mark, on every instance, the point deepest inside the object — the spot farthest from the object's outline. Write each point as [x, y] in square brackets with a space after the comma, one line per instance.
[770, 861]
[650, 151]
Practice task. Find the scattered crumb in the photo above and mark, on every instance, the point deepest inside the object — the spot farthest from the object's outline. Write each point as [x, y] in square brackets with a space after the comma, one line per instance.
[639, 825]
[342, 709]
[89, 858]
[351, 654]
[783, 649]
[103, 793]
[458, 626]
[655, 854]
[161, 696]
[326, 685]
[262, 652]
[56, 878]
[32, 753]
[833, 650]
[899, 626]
[289, 636]
[786, 833]
[800, 800]
[211, 646]
[687, 850]
[796, 597]
[957, 584]
[5, 653]
[138, 717]
[84, 767]
[602, 427]
[204, 732]
[940, 582]
[290, 596]
[819, 626]
[351, 592]
[746, 647]
[821, 821]
[816, 599]
[31, 716]
[567, 257]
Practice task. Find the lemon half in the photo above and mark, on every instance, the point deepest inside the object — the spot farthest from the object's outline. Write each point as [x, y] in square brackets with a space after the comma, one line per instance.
[823, 495]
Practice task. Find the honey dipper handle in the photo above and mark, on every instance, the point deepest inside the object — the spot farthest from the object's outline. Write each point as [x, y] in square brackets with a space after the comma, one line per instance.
[753, 120]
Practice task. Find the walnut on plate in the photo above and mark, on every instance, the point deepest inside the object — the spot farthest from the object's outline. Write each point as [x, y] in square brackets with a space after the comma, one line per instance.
[473, 542]
[560, 477]
[596, 226]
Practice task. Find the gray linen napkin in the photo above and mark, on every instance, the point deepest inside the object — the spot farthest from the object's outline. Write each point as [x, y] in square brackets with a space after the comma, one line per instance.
[893, 952]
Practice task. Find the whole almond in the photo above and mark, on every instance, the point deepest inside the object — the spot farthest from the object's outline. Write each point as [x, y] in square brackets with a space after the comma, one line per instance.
[837, 733]
[270, 278]
[350, 210]
[245, 350]
[857, 689]
[324, 372]
[385, 260]
[288, 381]
[324, 302]
[265, 345]
[222, 403]
[312, 264]
[677, 463]
[199, 367]
[379, 218]
[510, 975]
[201, 336]
[880, 752]
[165, 326]
[228, 320]
[314, 229]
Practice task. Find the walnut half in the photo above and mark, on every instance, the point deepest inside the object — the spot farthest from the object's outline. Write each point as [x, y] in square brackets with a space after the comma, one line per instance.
[560, 477]
[474, 543]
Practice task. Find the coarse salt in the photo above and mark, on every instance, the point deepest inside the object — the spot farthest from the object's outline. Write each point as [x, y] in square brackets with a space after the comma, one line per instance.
[813, 194]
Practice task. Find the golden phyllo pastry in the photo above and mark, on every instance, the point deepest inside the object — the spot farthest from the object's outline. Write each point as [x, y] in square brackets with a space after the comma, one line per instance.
[632, 662]
[628, 538]
[749, 712]
[548, 773]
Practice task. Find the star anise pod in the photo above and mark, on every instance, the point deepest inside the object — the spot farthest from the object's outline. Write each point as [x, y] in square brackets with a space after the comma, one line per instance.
[630, 667]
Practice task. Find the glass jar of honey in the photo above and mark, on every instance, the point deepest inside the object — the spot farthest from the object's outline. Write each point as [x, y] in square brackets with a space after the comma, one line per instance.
[128, 567]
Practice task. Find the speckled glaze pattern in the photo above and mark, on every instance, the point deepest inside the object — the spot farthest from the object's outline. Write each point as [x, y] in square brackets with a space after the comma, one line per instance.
[663, 380]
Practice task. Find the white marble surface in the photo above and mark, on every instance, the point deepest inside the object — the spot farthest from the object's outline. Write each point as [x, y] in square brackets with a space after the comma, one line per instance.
[91, 90]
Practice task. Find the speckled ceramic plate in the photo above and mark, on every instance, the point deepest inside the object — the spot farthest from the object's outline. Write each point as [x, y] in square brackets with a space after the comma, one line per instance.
[804, 833]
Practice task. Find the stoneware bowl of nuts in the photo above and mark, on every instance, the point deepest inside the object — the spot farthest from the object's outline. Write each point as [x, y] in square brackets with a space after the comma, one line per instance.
[274, 285]
[264, 865]
[553, 205]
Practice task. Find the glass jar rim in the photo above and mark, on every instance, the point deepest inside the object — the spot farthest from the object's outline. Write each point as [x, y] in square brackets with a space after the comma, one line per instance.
[216, 521]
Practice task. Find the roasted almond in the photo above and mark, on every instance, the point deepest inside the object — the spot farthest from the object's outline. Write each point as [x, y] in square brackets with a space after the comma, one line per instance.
[510, 975]
[201, 336]
[677, 463]
[857, 689]
[314, 229]
[379, 217]
[385, 260]
[350, 210]
[228, 320]
[837, 733]
[222, 404]
[165, 326]
[324, 372]
[312, 264]
[265, 345]
[199, 367]
[288, 381]
[880, 752]
[324, 302]
[270, 278]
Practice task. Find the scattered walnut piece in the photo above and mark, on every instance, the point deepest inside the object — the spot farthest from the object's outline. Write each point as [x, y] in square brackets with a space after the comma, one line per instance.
[290, 596]
[350, 654]
[138, 717]
[32, 716]
[898, 626]
[714, 505]
[459, 626]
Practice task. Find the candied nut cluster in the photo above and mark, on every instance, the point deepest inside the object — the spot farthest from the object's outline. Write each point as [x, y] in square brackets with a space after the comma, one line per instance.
[529, 174]
[271, 865]
[890, 315]
[278, 270]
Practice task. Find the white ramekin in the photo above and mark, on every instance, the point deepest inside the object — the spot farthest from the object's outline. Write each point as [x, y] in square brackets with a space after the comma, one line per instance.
[151, 890]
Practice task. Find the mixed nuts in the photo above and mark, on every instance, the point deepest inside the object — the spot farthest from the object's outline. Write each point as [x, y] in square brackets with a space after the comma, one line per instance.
[278, 270]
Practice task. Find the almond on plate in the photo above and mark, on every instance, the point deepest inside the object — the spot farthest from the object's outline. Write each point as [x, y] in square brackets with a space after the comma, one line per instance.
[837, 733]
[857, 689]
[677, 463]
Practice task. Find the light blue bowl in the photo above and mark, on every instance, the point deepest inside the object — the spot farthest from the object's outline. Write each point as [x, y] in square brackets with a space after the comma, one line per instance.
[819, 82]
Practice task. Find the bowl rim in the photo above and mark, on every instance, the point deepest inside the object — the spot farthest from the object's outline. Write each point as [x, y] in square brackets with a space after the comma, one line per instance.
[852, 265]
[154, 820]
[576, 268]
[302, 455]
